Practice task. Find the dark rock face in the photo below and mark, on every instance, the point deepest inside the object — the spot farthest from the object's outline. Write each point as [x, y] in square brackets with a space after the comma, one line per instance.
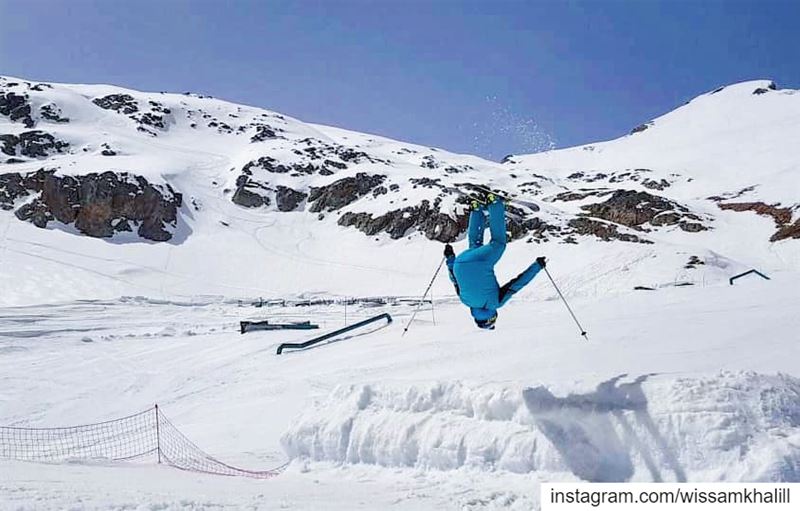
[434, 224]
[97, 204]
[640, 128]
[149, 122]
[576, 196]
[343, 192]
[52, 113]
[33, 144]
[787, 231]
[288, 199]
[602, 230]
[12, 187]
[16, 108]
[245, 195]
[266, 163]
[263, 132]
[249, 199]
[121, 103]
[781, 216]
[634, 209]
[655, 185]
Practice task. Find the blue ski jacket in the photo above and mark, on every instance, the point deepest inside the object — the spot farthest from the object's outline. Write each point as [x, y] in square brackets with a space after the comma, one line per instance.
[472, 273]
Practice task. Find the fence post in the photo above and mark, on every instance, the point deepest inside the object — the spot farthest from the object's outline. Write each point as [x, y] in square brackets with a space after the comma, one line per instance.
[158, 437]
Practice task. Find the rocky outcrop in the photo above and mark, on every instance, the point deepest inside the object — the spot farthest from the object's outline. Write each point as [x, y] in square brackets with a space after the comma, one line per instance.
[642, 127]
[12, 187]
[52, 113]
[288, 199]
[428, 220]
[602, 230]
[343, 192]
[33, 144]
[247, 193]
[120, 103]
[98, 205]
[781, 215]
[636, 209]
[150, 120]
[17, 108]
[263, 132]
[787, 231]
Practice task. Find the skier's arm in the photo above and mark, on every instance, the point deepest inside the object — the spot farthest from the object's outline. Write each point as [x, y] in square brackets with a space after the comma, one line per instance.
[450, 257]
[520, 281]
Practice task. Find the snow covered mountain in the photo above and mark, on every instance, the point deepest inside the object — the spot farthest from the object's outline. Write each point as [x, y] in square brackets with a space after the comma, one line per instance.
[183, 194]
[130, 208]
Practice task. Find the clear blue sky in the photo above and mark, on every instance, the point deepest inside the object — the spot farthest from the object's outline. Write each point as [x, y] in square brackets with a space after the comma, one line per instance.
[486, 77]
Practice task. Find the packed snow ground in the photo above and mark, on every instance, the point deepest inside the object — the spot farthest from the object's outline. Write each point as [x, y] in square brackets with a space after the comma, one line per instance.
[675, 384]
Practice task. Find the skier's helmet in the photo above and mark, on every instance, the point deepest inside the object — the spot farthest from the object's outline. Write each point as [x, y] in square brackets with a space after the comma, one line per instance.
[487, 324]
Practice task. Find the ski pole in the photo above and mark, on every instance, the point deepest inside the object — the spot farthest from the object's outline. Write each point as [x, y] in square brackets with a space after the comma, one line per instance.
[583, 332]
[422, 300]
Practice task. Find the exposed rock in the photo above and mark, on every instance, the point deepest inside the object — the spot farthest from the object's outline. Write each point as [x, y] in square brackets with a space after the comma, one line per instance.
[640, 128]
[97, 204]
[267, 163]
[694, 262]
[33, 144]
[245, 194]
[288, 199]
[781, 216]
[12, 187]
[434, 224]
[429, 162]
[579, 195]
[16, 108]
[263, 132]
[335, 164]
[655, 185]
[52, 113]
[121, 103]
[425, 182]
[35, 212]
[602, 230]
[343, 192]
[107, 151]
[634, 209]
[787, 231]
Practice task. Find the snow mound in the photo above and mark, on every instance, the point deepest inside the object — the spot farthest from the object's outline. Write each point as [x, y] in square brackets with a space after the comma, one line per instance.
[732, 426]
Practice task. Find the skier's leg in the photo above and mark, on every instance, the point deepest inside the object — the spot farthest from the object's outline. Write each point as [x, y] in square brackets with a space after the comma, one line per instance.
[477, 226]
[518, 282]
[497, 228]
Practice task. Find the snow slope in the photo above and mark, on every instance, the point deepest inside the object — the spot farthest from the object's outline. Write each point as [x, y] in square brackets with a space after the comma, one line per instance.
[696, 384]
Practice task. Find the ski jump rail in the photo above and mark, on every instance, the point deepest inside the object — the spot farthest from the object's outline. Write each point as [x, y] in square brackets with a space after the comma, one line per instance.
[335, 333]
[748, 273]
[139, 436]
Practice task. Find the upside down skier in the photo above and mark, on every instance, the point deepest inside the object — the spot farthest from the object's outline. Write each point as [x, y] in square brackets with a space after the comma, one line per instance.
[472, 271]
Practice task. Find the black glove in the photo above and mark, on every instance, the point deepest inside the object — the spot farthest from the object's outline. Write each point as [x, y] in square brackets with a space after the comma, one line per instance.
[542, 262]
[448, 251]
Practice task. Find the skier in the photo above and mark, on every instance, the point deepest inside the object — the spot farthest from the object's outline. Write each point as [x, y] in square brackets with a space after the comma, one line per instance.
[472, 272]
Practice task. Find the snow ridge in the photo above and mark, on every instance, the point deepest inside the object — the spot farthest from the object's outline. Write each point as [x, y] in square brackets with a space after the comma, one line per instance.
[732, 426]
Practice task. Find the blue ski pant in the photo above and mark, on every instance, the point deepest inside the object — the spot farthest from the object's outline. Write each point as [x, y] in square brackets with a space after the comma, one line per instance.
[492, 252]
